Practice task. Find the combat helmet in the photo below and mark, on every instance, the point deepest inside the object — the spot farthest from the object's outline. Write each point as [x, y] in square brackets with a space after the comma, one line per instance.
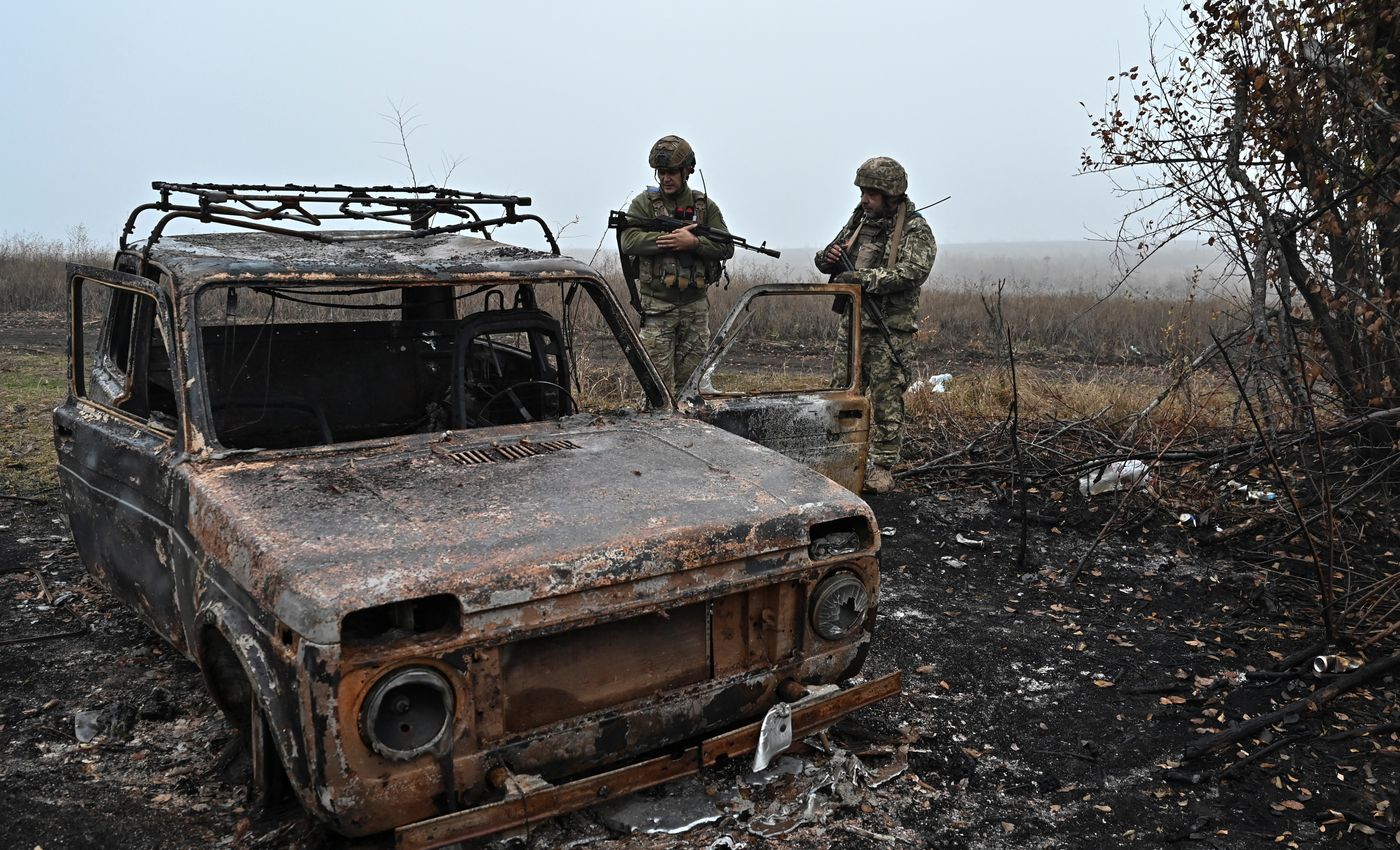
[884, 174]
[671, 152]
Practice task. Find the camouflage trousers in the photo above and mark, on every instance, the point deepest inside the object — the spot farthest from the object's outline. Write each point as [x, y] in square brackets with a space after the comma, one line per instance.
[675, 336]
[885, 383]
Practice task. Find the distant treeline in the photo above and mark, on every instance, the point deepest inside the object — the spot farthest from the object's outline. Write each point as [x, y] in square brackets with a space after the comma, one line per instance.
[1085, 266]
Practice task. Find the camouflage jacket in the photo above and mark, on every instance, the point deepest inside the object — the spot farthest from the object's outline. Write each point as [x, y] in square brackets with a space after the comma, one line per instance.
[895, 290]
[677, 276]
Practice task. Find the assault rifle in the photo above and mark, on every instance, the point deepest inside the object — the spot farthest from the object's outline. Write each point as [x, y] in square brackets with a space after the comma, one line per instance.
[875, 315]
[623, 221]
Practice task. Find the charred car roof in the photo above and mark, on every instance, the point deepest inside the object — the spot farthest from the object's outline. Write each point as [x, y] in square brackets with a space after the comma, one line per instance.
[195, 260]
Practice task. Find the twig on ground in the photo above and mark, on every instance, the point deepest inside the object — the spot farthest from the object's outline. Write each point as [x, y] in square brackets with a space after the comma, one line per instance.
[1215, 537]
[1018, 484]
[1365, 731]
[865, 833]
[1307, 653]
[1323, 570]
[1261, 752]
[1145, 690]
[1303, 705]
[936, 462]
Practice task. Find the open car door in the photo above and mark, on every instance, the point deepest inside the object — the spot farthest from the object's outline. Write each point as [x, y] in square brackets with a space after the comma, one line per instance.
[784, 372]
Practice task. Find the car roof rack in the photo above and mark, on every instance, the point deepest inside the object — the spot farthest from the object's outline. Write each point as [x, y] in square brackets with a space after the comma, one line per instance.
[256, 207]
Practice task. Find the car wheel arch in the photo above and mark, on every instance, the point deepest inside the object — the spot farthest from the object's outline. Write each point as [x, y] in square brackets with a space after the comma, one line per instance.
[240, 677]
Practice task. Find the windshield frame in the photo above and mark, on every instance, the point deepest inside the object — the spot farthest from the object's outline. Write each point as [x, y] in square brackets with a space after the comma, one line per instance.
[199, 415]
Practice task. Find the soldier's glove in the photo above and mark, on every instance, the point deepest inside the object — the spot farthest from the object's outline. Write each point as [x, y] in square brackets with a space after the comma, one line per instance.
[846, 277]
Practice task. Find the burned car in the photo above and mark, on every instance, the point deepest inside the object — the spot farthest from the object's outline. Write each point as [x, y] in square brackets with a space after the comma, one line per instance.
[356, 477]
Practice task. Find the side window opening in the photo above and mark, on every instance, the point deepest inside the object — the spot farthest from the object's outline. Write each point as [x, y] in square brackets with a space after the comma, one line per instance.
[128, 368]
[120, 319]
[160, 381]
[785, 342]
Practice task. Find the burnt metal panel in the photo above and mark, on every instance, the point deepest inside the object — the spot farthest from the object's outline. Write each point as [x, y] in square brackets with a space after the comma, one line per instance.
[116, 464]
[195, 260]
[607, 586]
[360, 792]
[828, 431]
[553, 800]
[553, 678]
[405, 523]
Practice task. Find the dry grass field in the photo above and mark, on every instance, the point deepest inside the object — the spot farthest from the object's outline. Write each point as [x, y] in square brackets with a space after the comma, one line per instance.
[32, 383]
[1078, 354]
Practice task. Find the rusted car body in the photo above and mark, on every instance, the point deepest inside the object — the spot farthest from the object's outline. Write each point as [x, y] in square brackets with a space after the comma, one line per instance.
[349, 479]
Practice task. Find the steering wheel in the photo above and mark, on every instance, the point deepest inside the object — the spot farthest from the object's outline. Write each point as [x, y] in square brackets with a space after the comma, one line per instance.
[570, 406]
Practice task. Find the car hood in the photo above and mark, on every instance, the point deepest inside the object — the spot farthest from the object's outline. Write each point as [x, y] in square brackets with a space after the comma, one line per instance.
[568, 506]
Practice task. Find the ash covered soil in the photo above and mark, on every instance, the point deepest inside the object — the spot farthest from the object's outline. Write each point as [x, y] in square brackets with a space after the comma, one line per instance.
[1035, 713]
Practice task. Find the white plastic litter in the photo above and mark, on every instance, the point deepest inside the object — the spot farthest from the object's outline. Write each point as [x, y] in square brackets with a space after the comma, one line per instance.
[1119, 475]
[933, 384]
[1251, 494]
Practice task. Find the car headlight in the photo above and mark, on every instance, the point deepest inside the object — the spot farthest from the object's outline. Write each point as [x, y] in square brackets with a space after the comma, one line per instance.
[839, 605]
[409, 712]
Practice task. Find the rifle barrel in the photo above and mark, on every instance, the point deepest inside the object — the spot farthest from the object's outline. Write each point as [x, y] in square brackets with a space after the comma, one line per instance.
[622, 220]
[934, 204]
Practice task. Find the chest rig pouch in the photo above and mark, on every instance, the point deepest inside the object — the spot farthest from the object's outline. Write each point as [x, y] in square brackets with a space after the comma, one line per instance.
[679, 269]
[871, 246]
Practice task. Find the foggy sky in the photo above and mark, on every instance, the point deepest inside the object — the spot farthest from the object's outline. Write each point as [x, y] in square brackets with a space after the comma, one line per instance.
[561, 101]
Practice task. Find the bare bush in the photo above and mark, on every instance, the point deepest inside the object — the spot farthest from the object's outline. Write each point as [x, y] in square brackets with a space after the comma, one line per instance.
[1272, 129]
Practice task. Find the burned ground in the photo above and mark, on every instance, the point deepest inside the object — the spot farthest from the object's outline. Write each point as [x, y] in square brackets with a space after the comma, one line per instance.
[1035, 713]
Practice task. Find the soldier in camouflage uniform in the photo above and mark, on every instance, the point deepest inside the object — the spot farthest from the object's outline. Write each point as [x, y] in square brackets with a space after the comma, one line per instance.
[674, 269]
[892, 249]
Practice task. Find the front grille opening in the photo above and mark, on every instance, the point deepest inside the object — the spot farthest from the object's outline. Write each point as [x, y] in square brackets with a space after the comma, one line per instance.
[510, 451]
[427, 615]
[548, 679]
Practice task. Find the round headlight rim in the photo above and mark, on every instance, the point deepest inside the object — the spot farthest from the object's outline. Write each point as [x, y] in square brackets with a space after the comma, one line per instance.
[409, 674]
[829, 583]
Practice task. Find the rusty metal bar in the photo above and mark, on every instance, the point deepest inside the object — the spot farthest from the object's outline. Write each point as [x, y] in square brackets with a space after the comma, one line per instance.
[354, 193]
[237, 205]
[556, 800]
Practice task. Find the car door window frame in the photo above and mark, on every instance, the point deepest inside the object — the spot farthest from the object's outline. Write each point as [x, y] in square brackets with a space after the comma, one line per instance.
[697, 386]
[123, 347]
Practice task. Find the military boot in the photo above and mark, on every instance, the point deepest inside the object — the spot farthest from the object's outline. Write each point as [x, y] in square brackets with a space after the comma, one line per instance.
[878, 480]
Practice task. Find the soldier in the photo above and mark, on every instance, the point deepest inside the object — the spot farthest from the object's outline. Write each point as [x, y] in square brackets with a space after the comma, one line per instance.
[892, 250]
[673, 269]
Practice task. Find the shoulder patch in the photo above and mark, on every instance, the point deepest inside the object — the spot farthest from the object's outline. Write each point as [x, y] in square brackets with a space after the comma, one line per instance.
[653, 190]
